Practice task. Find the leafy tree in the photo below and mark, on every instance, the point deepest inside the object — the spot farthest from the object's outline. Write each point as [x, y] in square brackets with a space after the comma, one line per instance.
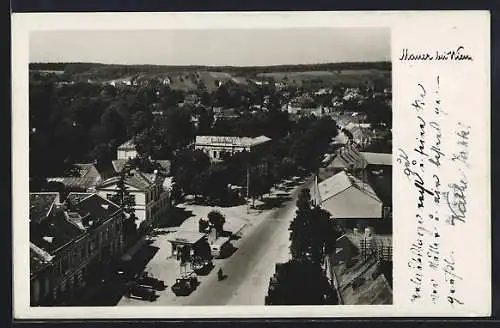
[299, 283]
[217, 220]
[186, 166]
[212, 183]
[123, 199]
[309, 230]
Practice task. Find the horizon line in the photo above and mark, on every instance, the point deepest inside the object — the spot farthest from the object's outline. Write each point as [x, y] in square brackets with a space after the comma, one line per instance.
[217, 66]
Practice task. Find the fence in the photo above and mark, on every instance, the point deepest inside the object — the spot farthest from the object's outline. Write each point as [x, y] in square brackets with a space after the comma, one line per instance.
[377, 248]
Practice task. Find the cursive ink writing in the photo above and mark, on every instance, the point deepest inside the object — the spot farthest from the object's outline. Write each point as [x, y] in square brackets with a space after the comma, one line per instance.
[451, 279]
[457, 54]
[436, 147]
[457, 201]
[462, 156]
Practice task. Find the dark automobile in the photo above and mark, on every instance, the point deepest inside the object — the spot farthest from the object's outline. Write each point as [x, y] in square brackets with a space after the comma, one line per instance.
[185, 285]
[145, 279]
[142, 292]
[202, 267]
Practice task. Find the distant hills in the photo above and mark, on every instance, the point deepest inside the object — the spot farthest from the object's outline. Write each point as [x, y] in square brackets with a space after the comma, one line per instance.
[188, 77]
[232, 69]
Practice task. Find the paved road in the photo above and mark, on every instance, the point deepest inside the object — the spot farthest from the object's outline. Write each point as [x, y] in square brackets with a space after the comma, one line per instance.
[248, 270]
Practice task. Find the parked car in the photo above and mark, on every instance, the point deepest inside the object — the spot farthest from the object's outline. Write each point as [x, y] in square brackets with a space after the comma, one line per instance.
[185, 285]
[139, 291]
[146, 280]
[202, 266]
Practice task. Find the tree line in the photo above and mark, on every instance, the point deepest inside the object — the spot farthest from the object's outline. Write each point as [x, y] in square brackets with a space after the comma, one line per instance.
[246, 70]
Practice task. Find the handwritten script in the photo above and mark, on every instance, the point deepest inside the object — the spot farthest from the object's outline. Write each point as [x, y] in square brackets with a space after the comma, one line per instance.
[456, 54]
[435, 169]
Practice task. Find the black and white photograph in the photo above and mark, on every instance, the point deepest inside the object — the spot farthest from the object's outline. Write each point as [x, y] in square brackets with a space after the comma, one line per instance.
[210, 167]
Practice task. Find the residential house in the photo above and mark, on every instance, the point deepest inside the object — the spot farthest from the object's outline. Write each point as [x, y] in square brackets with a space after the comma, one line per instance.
[127, 150]
[146, 189]
[353, 202]
[345, 158]
[71, 243]
[87, 179]
[216, 146]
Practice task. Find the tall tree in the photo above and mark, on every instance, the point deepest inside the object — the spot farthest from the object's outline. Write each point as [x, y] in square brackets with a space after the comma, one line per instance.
[123, 198]
[310, 230]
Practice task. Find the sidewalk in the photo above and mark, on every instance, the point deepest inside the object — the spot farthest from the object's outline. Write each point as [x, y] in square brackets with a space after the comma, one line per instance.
[133, 250]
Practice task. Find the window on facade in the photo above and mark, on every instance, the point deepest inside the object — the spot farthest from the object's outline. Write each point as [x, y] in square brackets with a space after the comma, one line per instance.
[214, 154]
[133, 198]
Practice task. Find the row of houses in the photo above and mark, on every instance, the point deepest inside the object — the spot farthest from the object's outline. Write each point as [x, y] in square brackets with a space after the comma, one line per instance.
[356, 188]
[73, 238]
[70, 244]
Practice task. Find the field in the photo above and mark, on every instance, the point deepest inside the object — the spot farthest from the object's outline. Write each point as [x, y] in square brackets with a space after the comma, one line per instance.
[348, 77]
[187, 78]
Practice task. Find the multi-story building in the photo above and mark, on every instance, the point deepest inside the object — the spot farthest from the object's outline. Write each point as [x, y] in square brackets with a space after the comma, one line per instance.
[217, 146]
[147, 190]
[71, 243]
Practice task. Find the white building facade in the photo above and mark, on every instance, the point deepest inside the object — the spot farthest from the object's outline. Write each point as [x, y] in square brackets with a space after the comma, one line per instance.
[150, 198]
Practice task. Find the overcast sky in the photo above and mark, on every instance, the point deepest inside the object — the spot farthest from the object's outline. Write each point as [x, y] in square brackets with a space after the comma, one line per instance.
[233, 47]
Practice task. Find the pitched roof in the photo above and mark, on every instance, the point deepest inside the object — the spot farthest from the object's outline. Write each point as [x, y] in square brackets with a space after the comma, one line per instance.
[135, 179]
[127, 145]
[363, 283]
[76, 182]
[40, 205]
[377, 158]
[93, 207]
[340, 182]
[88, 170]
[119, 165]
[39, 259]
[348, 157]
[231, 141]
[54, 232]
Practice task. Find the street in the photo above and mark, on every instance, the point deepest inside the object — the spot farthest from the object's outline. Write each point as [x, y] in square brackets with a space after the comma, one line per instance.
[248, 270]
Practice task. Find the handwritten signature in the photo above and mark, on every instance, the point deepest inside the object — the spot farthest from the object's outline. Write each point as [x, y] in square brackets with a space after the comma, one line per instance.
[457, 54]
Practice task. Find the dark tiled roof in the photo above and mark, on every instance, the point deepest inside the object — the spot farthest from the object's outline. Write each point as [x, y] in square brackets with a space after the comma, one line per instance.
[119, 165]
[88, 170]
[135, 179]
[76, 182]
[40, 204]
[371, 288]
[54, 232]
[97, 208]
